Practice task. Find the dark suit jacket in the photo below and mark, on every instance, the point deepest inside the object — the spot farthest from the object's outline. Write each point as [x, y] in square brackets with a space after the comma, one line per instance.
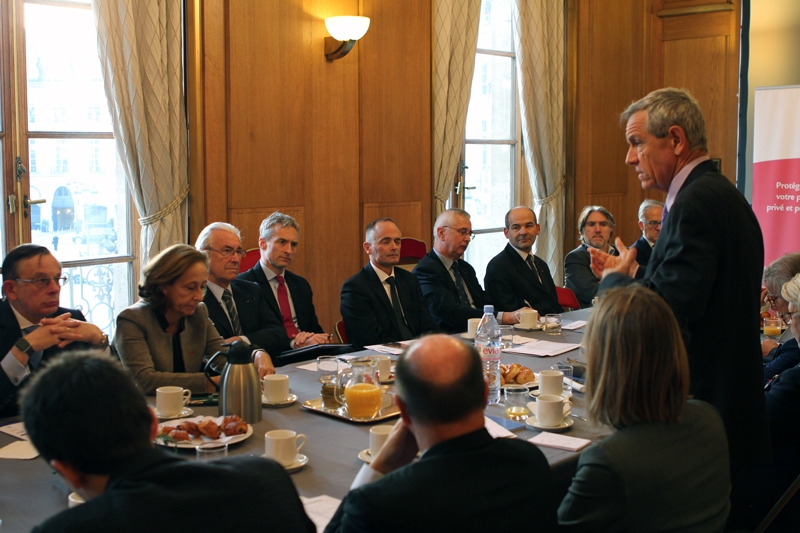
[368, 314]
[154, 490]
[578, 275]
[302, 297]
[9, 335]
[457, 485]
[510, 283]
[707, 264]
[441, 293]
[786, 356]
[258, 323]
[643, 251]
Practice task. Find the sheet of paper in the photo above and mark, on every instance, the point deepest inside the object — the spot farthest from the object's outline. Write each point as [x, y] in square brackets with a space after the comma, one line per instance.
[383, 348]
[320, 509]
[543, 348]
[562, 442]
[496, 430]
[310, 366]
[574, 324]
[21, 449]
[519, 339]
[16, 429]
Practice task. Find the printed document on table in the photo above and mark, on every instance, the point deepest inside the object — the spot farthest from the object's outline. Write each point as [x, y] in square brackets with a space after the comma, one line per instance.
[543, 348]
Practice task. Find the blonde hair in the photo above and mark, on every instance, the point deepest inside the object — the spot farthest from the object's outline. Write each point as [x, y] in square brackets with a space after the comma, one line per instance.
[791, 291]
[637, 365]
[165, 269]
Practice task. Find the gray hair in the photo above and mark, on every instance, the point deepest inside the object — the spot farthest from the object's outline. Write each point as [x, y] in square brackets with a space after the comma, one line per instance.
[204, 239]
[447, 218]
[791, 291]
[370, 232]
[584, 216]
[277, 218]
[671, 107]
[649, 203]
[781, 271]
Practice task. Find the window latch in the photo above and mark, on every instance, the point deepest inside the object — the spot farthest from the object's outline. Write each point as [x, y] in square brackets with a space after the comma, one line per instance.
[20, 169]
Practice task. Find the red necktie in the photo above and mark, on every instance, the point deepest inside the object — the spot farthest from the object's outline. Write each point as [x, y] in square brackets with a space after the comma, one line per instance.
[286, 310]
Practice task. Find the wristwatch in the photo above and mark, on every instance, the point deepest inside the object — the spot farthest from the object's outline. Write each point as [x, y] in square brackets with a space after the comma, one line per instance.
[24, 346]
[103, 342]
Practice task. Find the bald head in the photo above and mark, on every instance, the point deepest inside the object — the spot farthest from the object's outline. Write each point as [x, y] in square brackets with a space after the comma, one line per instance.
[440, 379]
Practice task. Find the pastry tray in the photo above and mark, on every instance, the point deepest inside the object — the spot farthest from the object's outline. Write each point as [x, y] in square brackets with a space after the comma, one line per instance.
[385, 413]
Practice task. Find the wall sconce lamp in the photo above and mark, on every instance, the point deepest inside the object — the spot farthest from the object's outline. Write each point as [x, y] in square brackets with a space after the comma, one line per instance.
[345, 32]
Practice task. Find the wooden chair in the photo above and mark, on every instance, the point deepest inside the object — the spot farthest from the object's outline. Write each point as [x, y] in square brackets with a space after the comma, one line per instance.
[250, 259]
[411, 251]
[567, 299]
[340, 332]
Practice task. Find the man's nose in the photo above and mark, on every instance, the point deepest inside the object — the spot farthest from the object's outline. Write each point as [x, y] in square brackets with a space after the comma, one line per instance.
[631, 158]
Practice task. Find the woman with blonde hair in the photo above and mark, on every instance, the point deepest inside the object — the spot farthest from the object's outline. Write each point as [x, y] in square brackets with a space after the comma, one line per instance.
[666, 466]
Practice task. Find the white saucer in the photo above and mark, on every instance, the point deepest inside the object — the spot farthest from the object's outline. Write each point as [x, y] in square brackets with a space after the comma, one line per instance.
[183, 414]
[288, 401]
[534, 328]
[468, 336]
[299, 462]
[365, 456]
[563, 426]
[535, 394]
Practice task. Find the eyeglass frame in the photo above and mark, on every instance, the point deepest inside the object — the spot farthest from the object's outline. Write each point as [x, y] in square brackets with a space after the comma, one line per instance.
[653, 223]
[44, 282]
[241, 252]
[462, 231]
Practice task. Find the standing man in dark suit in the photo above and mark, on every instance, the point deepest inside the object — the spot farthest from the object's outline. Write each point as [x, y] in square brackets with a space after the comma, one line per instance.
[457, 485]
[289, 295]
[706, 263]
[650, 213]
[449, 283]
[595, 227]
[383, 303]
[238, 308]
[33, 328]
[515, 277]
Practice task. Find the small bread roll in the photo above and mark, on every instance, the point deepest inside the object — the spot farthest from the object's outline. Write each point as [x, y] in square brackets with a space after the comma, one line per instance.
[190, 428]
[235, 428]
[513, 371]
[209, 428]
[525, 375]
[179, 435]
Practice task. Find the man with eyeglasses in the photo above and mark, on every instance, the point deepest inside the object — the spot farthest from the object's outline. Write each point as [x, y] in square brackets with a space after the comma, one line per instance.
[780, 356]
[449, 284]
[238, 308]
[33, 327]
[650, 212]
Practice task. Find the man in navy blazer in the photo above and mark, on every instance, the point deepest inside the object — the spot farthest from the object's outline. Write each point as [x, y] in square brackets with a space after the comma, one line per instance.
[442, 270]
[289, 296]
[238, 308]
[650, 212]
[383, 303]
[707, 265]
[515, 277]
[32, 281]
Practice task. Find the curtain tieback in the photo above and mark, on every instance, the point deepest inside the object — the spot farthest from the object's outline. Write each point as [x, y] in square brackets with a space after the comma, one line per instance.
[170, 207]
[548, 199]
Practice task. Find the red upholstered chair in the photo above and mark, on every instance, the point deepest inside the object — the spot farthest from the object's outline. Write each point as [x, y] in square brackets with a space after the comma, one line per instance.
[411, 251]
[567, 299]
[250, 259]
[340, 332]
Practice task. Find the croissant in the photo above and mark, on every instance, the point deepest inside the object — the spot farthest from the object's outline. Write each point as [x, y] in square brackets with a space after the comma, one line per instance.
[230, 418]
[179, 435]
[513, 371]
[209, 428]
[190, 428]
[165, 430]
[235, 428]
[525, 375]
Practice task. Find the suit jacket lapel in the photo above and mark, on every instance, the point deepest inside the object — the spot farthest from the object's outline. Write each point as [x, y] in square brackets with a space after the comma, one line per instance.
[404, 292]
[266, 288]
[523, 269]
[218, 315]
[451, 286]
[377, 287]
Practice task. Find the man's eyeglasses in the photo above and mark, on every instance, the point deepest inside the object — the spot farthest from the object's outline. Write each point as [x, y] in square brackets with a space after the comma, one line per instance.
[653, 223]
[462, 231]
[228, 251]
[43, 283]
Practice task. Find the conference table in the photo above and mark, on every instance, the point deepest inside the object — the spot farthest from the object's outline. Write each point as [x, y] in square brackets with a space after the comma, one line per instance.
[30, 491]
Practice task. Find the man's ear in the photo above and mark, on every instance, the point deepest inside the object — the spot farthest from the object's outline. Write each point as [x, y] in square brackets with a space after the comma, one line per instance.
[677, 137]
[74, 477]
[641, 226]
[403, 411]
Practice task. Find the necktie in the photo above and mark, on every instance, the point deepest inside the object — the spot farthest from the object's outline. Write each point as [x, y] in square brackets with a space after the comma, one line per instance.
[405, 333]
[36, 357]
[462, 292]
[286, 309]
[663, 215]
[227, 297]
[532, 266]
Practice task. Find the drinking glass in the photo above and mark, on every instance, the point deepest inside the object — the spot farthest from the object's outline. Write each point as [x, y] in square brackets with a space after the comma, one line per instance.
[506, 337]
[516, 402]
[327, 371]
[567, 384]
[772, 327]
[211, 451]
[552, 324]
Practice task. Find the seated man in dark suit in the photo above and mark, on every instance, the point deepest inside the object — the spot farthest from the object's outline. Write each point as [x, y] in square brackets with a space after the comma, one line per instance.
[449, 283]
[650, 212]
[33, 328]
[595, 227]
[382, 303]
[88, 421]
[238, 308]
[289, 295]
[778, 356]
[458, 483]
[515, 277]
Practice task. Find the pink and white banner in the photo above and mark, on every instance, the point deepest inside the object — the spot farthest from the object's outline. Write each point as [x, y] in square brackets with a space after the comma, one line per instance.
[776, 169]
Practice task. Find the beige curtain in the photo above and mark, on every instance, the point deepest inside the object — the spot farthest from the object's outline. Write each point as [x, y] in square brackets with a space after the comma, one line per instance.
[539, 26]
[140, 49]
[455, 41]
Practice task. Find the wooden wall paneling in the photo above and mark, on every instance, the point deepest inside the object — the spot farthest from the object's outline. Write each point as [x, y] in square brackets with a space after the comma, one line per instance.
[249, 220]
[408, 215]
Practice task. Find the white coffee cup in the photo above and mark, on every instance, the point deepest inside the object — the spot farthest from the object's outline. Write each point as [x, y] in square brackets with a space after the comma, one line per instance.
[276, 388]
[472, 327]
[170, 400]
[529, 318]
[384, 366]
[377, 438]
[74, 499]
[281, 445]
[551, 382]
[551, 410]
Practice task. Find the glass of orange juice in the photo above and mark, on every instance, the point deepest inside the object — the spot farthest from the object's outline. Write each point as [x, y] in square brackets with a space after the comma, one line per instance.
[358, 388]
[772, 327]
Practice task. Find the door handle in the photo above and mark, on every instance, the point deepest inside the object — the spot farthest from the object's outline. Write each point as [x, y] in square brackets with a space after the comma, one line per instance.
[29, 202]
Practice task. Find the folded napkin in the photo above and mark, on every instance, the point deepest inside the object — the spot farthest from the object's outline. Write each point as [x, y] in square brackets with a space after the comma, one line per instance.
[575, 324]
[496, 430]
[579, 387]
[320, 509]
[561, 442]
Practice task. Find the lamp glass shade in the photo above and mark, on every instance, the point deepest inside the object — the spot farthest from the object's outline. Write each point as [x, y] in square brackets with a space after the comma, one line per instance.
[347, 28]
